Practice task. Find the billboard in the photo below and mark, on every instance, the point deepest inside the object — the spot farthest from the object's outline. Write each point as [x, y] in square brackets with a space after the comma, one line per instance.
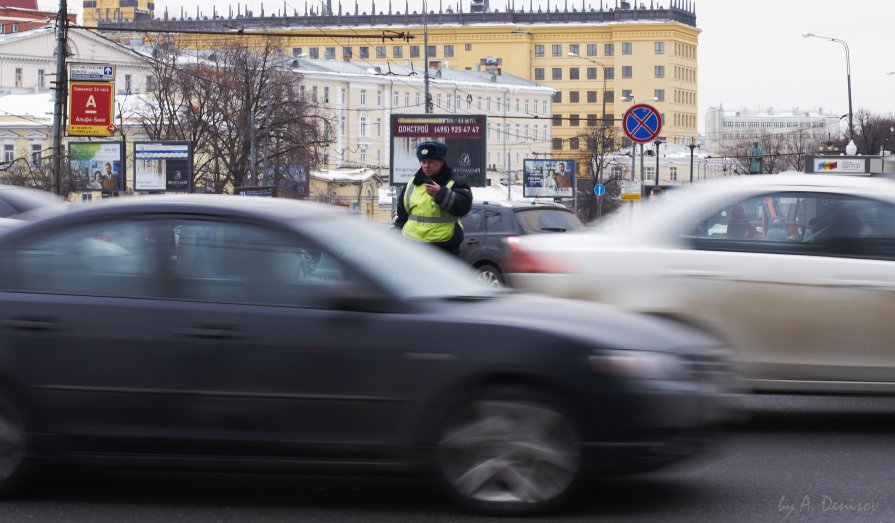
[97, 166]
[165, 166]
[90, 109]
[548, 179]
[464, 136]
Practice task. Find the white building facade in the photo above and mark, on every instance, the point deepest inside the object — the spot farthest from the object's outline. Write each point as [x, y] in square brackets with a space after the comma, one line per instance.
[726, 128]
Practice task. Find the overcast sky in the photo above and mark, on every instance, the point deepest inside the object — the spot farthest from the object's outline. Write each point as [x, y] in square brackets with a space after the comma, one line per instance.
[751, 53]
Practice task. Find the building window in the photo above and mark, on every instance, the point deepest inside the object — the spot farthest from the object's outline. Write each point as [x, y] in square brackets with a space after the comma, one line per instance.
[315, 53]
[557, 120]
[329, 53]
[659, 94]
[627, 47]
[397, 52]
[18, 77]
[626, 93]
[557, 97]
[467, 47]
[379, 127]
[574, 120]
[15, 28]
[574, 73]
[326, 95]
[591, 120]
[297, 52]
[659, 71]
[557, 144]
[363, 154]
[574, 48]
[539, 73]
[609, 73]
[363, 126]
[41, 79]
[8, 153]
[433, 53]
[127, 84]
[672, 173]
[449, 51]
[608, 49]
[364, 52]
[591, 97]
[574, 144]
[363, 97]
[609, 96]
[342, 96]
[627, 71]
[539, 50]
[591, 49]
[659, 47]
[648, 173]
[414, 51]
[574, 97]
[347, 53]
[380, 51]
[591, 73]
[556, 49]
[557, 73]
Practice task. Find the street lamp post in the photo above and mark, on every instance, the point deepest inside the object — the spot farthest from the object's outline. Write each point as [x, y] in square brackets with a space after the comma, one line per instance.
[599, 166]
[851, 128]
[691, 146]
[657, 143]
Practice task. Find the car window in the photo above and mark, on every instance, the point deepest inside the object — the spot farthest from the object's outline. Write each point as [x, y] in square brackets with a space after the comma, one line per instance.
[495, 222]
[474, 221]
[800, 223]
[534, 221]
[108, 259]
[232, 262]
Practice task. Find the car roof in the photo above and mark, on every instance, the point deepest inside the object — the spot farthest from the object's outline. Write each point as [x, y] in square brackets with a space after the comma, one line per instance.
[516, 204]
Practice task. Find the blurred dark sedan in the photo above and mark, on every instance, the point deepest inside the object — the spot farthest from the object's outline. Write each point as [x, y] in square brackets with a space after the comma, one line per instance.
[20, 202]
[258, 334]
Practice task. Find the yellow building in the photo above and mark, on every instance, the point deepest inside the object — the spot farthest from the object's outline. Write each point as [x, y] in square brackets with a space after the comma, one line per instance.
[599, 59]
[96, 11]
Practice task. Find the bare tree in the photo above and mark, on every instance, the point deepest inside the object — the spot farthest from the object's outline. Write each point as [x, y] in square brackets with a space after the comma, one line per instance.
[874, 132]
[241, 107]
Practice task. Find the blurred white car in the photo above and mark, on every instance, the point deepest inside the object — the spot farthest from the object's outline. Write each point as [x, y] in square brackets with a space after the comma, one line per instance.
[795, 272]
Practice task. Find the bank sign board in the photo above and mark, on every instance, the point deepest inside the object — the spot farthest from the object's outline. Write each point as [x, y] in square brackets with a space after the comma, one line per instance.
[90, 109]
[464, 136]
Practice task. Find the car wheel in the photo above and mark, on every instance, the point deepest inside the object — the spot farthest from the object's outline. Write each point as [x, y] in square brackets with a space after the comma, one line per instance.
[508, 451]
[12, 444]
[490, 275]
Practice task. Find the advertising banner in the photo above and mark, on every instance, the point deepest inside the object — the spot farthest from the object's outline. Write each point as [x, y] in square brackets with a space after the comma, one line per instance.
[548, 179]
[464, 136]
[163, 166]
[90, 109]
[96, 166]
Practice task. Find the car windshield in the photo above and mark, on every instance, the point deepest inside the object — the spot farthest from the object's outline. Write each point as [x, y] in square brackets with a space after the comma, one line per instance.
[412, 271]
[535, 221]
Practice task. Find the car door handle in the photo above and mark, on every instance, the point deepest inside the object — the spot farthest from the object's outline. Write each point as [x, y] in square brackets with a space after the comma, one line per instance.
[34, 325]
[472, 242]
[698, 273]
[210, 333]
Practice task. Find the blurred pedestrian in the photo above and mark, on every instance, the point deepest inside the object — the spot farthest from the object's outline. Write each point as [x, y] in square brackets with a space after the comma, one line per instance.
[429, 207]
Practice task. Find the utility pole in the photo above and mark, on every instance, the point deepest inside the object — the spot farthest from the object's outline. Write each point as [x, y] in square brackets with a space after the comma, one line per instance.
[61, 89]
[426, 95]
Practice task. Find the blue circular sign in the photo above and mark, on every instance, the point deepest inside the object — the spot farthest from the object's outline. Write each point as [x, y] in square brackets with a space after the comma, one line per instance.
[642, 123]
[599, 189]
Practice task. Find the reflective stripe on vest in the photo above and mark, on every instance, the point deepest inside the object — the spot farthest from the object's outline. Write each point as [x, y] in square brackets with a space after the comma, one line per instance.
[426, 221]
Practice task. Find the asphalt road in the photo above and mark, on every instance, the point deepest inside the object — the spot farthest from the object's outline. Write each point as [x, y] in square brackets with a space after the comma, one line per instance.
[795, 459]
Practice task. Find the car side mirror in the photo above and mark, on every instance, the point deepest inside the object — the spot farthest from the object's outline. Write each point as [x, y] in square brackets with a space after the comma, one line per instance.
[357, 296]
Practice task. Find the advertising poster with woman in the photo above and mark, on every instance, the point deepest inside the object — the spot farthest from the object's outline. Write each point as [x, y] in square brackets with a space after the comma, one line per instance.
[96, 166]
[549, 179]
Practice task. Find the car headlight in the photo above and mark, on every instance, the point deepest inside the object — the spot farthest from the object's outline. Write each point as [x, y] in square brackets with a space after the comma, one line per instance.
[645, 365]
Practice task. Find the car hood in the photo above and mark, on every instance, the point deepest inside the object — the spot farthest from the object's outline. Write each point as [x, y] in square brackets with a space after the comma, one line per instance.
[591, 324]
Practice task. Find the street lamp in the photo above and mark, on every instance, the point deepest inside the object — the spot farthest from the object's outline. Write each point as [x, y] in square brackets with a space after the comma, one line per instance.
[851, 127]
[602, 115]
[691, 146]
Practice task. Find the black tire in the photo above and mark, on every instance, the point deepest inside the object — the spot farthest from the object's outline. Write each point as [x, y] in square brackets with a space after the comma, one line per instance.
[508, 450]
[490, 275]
[13, 445]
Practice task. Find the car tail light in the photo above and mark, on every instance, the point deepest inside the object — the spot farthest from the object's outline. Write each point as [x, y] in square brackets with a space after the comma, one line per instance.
[521, 259]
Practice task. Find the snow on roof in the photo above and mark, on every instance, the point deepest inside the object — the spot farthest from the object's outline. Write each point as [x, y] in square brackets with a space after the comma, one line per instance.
[344, 175]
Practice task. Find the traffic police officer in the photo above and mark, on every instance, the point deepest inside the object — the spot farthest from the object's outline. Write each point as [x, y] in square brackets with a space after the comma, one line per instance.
[429, 207]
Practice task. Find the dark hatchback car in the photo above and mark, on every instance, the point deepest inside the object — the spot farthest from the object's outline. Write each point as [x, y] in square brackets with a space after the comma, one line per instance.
[244, 333]
[491, 229]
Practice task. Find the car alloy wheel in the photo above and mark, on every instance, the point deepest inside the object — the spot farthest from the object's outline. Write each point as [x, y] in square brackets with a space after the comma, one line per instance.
[509, 452]
[490, 276]
[12, 443]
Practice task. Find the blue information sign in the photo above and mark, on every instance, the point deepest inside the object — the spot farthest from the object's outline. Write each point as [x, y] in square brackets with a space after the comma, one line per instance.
[642, 123]
[599, 189]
